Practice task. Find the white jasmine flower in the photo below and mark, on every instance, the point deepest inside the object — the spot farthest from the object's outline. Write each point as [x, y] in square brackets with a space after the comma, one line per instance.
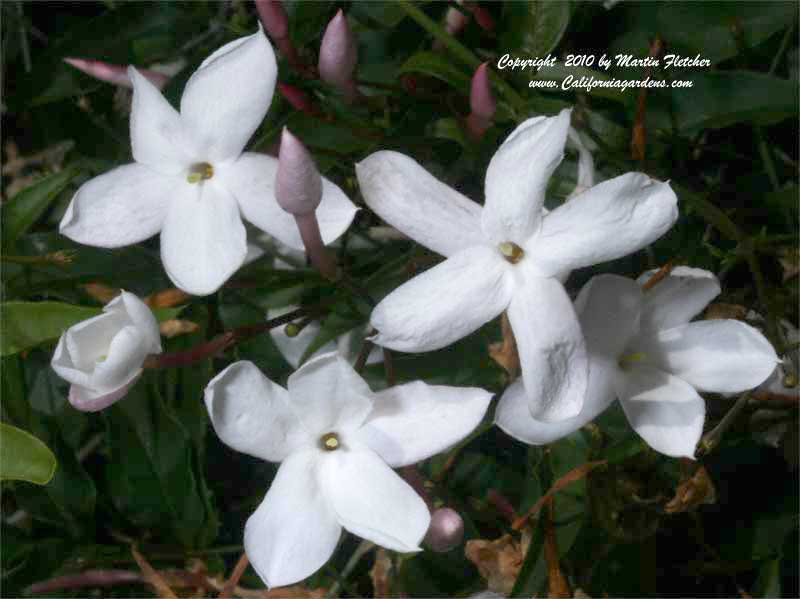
[102, 357]
[510, 255]
[644, 351]
[337, 442]
[191, 181]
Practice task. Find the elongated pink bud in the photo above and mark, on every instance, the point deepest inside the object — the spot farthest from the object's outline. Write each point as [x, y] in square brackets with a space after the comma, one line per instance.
[298, 190]
[298, 184]
[446, 530]
[338, 56]
[481, 99]
[481, 102]
[114, 73]
[273, 17]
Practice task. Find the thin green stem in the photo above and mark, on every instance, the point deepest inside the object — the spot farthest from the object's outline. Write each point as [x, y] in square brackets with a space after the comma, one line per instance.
[711, 439]
[787, 37]
[363, 548]
[461, 52]
[766, 158]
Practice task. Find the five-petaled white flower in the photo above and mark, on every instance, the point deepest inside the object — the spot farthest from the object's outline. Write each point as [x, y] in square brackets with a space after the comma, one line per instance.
[190, 179]
[102, 357]
[510, 255]
[644, 351]
[337, 442]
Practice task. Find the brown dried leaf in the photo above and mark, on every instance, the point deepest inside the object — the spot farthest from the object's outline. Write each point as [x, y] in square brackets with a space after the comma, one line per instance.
[173, 328]
[498, 561]
[101, 293]
[719, 310]
[167, 298]
[690, 494]
[505, 353]
[381, 573]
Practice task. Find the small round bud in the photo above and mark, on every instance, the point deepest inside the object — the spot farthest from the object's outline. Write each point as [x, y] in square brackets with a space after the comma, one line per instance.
[298, 184]
[446, 531]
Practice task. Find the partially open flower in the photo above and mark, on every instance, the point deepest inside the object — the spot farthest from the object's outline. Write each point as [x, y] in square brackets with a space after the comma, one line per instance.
[337, 442]
[102, 357]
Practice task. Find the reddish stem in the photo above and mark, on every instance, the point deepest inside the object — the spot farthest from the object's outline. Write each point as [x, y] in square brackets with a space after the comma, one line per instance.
[219, 343]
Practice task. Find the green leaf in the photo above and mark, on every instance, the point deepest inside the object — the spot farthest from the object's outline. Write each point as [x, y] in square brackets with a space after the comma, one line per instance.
[719, 99]
[22, 211]
[24, 457]
[152, 473]
[536, 27]
[439, 66]
[705, 28]
[28, 324]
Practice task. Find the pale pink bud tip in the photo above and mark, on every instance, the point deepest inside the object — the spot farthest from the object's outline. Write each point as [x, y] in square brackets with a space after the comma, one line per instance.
[481, 99]
[298, 184]
[114, 73]
[338, 53]
[446, 530]
[273, 16]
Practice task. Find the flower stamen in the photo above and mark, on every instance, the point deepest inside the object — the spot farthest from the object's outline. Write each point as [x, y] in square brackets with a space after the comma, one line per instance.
[200, 172]
[511, 251]
[628, 360]
[329, 441]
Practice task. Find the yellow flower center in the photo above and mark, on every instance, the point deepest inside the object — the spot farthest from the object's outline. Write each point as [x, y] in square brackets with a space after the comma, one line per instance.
[511, 251]
[200, 172]
[628, 360]
[329, 441]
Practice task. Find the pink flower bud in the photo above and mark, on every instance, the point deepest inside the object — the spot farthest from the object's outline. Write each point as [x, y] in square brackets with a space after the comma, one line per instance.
[298, 190]
[482, 103]
[338, 56]
[298, 184]
[114, 73]
[481, 99]
[446, 530]
[273, 17]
